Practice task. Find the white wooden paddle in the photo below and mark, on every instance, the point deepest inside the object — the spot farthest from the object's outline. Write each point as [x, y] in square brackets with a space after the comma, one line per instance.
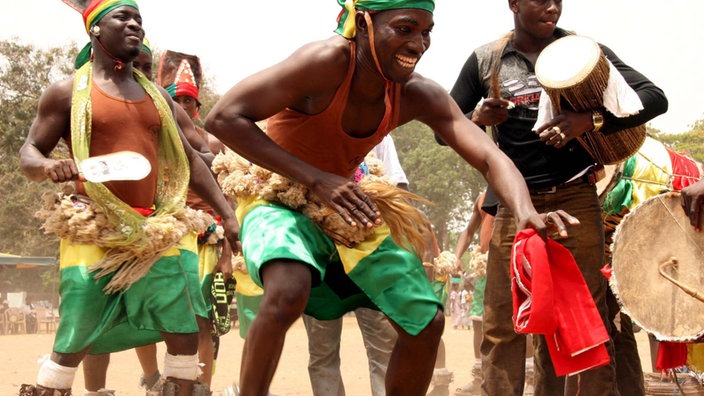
[122, 165]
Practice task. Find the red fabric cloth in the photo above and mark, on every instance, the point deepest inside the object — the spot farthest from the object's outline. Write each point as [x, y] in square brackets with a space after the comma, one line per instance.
[607, 271]
[684, 170]
[671, 355]
[144, 211]
[550, 297]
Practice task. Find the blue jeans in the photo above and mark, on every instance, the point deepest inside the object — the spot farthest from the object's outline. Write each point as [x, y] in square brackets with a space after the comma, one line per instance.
[503, 350]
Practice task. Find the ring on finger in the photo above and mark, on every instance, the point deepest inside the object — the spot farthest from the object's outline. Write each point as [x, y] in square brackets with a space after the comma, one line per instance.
[561, 135]
[548, 220]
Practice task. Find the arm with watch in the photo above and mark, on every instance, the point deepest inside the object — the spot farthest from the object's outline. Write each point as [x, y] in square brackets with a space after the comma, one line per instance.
[573, 124]
[652, 97]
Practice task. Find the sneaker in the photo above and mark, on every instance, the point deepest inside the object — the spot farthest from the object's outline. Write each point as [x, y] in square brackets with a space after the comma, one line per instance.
[473, 387]
[441, 382]
[231, 390]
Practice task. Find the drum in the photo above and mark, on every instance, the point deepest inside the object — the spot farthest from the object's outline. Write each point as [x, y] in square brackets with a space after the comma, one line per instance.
[657, 269]
[574, 73]
[652, 170]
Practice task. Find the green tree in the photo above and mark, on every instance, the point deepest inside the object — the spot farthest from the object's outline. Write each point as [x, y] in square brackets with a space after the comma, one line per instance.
[691, 142]
[439, 174]
[25, 71]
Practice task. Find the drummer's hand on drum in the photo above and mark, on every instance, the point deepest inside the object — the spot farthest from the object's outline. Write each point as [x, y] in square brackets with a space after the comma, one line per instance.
[692, 198]
[552, 224]
[565, 127]
[493, 111]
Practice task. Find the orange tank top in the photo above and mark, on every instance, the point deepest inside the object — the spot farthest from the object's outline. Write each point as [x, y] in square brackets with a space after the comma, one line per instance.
[192, 199]
[119, 125]
[487, 227]
[319, 138]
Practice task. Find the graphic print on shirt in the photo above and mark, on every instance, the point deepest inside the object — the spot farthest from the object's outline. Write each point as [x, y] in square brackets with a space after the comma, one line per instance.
[523, 93]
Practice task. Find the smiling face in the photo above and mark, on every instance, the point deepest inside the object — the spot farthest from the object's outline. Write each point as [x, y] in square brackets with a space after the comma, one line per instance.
[536, 18]
[400, 39]
[121, 32]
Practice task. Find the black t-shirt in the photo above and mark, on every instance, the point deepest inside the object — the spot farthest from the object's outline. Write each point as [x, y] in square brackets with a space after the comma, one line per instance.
[542, 165]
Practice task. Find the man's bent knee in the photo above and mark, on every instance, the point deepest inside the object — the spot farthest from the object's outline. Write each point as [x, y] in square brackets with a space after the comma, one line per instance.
[286, 290]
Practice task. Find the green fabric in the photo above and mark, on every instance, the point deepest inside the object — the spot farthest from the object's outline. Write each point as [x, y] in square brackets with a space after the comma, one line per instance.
[247, 308]
[440, 289]
[478, 297]
[347, 15]
[621, 195]
[173, 170]
[119, 321]
[390, 279]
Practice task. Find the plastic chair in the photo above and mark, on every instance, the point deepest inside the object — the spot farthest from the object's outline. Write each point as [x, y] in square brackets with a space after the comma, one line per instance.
[45, 317]
[16, 322]
[3, 323]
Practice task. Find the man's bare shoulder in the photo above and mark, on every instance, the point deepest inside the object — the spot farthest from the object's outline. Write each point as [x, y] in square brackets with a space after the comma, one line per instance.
[421, 94]
[322, 58]
[57, 97]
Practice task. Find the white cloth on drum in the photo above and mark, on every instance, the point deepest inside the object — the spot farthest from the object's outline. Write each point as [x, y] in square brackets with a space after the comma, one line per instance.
[619, 99]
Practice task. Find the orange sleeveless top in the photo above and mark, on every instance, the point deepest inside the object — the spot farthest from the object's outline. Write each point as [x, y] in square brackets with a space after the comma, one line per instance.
[487, 227]
[319, 138]
[120, 125]
[192, 199]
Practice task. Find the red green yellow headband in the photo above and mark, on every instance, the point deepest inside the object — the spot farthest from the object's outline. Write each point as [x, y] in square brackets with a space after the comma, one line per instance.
[97, 9]
[345, 20]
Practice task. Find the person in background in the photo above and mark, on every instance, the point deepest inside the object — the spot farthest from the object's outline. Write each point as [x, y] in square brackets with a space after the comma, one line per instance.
[125, 305]
[559, 173]
[377, 333]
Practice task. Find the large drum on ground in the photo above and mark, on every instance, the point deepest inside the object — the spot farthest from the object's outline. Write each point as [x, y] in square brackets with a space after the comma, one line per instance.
[658, 269]
[652, 170]
[574, 73]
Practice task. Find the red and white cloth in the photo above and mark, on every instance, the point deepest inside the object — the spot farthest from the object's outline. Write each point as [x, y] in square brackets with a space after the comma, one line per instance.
[550, 297]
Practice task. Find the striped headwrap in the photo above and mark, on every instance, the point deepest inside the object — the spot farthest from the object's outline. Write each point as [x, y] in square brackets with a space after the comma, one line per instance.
[97, 9]
[94, 12]
[145, 46]
[345, 20]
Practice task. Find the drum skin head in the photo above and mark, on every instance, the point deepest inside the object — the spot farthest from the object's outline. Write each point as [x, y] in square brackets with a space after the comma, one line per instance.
[567, 61]
[650, 235]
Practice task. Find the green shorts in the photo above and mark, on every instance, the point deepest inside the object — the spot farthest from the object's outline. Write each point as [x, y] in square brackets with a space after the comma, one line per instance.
[208, 257]
[376, 274]
[167, 300]
[477, 310]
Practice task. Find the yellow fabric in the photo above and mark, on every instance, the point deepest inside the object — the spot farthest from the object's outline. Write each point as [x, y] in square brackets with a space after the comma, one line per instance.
[350, 257]
[245, 285]
[244, 205]
[349, 29]
[695, 356]
[654, 167]
[207, 259]
[74, 254]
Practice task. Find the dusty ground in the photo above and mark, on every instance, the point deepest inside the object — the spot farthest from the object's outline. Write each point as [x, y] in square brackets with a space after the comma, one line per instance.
[19, 355]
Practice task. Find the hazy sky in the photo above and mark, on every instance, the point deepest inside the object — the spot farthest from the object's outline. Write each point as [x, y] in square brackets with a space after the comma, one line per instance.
[664, 39]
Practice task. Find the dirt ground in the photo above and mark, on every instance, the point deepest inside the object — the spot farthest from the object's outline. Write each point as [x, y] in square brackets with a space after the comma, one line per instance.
[19, 355]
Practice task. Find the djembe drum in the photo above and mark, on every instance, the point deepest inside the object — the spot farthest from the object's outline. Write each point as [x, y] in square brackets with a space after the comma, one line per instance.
[658, 270]
[574, 73]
